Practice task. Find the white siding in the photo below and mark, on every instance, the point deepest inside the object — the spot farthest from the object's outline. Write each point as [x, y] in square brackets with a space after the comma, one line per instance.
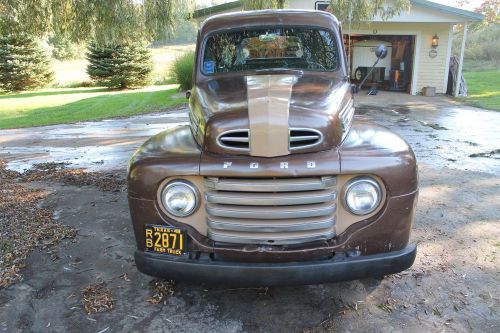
[427, 71]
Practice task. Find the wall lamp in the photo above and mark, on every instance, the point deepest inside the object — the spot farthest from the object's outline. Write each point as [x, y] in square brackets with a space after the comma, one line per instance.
[435, 41]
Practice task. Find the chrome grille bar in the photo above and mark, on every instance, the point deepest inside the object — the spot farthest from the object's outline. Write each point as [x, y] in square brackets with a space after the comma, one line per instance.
[271, 239]
[270, 199]
[270, 213]
[271, 210]
[248, 225]
[270, 185]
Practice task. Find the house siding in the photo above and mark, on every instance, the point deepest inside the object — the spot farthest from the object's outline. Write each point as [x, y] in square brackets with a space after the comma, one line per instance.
[430, 72]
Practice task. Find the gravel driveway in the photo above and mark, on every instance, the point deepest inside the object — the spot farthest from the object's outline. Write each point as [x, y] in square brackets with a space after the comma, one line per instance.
[453, 285]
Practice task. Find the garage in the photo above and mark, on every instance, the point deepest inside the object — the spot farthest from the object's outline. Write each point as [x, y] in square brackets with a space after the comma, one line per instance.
[420, 38]
[393, 73]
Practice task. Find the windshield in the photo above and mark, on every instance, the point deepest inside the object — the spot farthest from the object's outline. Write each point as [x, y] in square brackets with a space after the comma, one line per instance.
[271, 48]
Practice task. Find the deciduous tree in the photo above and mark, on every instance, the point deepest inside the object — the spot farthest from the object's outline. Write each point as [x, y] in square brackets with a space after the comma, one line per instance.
[362, 11]
[262, 4]
[105, 21]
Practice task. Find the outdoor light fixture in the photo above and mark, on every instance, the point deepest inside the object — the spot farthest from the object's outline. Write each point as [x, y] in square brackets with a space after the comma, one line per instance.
[435, 41]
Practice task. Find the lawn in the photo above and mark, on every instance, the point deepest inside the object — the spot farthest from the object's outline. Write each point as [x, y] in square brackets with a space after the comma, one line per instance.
[69, 73]
[484, 89]
[57, 105]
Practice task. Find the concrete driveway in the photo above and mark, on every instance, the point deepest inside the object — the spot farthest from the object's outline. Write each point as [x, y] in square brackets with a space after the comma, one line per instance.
[442, 133]
[453, 286]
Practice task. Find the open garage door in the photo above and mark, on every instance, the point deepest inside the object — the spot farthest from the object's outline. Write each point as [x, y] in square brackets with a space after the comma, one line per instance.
[394, 73]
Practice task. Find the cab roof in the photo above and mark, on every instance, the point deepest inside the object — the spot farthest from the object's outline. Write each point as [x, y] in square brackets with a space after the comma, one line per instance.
[279, 17]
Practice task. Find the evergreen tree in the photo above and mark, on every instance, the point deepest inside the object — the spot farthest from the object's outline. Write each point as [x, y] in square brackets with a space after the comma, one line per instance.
[23, 63]
[119, 66]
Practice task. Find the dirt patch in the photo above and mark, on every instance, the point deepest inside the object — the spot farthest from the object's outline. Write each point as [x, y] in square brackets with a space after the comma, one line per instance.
[108, 182]
[160, 290]
[24, 226]
[97, 298]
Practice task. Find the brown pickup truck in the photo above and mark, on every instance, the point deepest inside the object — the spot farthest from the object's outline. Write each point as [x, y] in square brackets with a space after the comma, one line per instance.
[274, 181]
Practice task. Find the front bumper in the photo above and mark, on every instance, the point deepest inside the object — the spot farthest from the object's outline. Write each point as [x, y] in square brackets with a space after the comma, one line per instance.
[274, 274]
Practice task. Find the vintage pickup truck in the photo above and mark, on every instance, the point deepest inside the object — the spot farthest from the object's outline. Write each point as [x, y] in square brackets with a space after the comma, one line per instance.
[273, 181]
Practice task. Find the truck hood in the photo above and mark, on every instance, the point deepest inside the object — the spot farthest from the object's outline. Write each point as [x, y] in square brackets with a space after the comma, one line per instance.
[269, 115]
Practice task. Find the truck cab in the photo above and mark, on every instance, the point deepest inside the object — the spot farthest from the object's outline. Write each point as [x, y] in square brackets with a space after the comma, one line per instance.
[274, 181]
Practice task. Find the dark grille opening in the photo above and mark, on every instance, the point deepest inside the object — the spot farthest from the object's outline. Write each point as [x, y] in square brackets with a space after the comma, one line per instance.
[237, 139]
[303, 138]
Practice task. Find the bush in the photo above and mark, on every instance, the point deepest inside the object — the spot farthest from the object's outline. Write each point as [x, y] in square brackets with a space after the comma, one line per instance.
[23, 63]
[120, 66]
[64, 49]
[482, 44]
[182, 70]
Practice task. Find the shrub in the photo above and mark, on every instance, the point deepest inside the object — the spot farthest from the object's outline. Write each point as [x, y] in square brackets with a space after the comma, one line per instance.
[23, 63]
[182, 70]
[119, 66]
[64, 49]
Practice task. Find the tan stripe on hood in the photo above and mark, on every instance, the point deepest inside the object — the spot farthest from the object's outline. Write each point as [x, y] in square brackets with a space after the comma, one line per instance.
[268, 110]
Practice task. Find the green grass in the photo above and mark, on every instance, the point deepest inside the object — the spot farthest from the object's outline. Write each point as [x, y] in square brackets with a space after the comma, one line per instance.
[57, 106]
[484, 91]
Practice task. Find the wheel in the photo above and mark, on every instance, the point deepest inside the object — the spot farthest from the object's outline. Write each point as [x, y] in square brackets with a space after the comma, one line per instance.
[359, 74]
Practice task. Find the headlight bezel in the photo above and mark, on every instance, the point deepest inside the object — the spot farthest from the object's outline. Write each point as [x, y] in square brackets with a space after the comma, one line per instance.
[355, 181]
[176, 182]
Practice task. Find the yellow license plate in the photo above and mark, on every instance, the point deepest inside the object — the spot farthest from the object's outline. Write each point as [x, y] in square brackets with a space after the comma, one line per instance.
[167, 240]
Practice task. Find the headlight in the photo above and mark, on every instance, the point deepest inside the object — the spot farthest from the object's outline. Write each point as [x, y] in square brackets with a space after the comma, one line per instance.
[179, 198]
[362, 195]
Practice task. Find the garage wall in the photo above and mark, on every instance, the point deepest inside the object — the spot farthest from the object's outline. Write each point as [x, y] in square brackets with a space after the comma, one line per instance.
[427, 71]
[433, 71]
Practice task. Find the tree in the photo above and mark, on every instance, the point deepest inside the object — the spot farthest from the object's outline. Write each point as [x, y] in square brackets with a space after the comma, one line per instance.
[262, 4]
[363, 11]
[23, 63]
[119, 66]
[105, 21]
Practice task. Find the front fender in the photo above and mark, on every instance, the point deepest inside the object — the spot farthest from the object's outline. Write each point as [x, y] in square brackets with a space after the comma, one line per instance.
[373, 149]
[173, 152]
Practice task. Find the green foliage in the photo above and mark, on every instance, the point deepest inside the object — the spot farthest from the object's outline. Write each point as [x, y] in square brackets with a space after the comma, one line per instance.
[107, 22]
[23, 63]
[363, 11]
[185, 32]
[121, 66]
[481, 45]
[182, 70]
[262, 4]
[64, 49]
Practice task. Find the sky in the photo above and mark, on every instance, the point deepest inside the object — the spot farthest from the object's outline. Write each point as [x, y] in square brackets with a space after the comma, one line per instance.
[471, 5]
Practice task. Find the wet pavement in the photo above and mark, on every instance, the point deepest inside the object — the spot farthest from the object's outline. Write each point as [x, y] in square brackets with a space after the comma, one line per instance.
[442, 133]
[96, 146]
[453, 285]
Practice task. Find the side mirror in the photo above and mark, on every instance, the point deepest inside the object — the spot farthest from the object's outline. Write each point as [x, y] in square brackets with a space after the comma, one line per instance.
[188, 94]
[381, 51]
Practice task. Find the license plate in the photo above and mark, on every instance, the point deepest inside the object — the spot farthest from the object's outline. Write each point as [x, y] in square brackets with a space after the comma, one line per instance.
[167, 240]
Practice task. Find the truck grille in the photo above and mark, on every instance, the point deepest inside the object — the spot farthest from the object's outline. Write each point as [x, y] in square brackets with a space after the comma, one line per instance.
[299, 138]
[304, 138]
[271, 211]
[235, 140]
